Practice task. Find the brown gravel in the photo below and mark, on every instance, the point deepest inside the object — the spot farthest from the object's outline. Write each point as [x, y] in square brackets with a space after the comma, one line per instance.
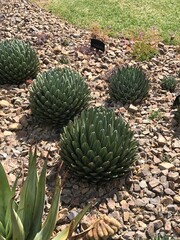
[147, 202]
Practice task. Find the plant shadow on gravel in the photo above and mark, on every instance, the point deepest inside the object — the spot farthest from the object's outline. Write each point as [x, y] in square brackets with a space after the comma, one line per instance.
[34, 132]
[77, 192]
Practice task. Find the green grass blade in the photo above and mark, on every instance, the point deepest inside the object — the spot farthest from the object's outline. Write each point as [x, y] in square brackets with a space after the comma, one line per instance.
[39, 205]
[14, 186]
[8, 214]
[28, 195]
[5, 194]
[50, 222]
[17, 226]
[2, 230]
[2, 238]
[68, 231]
[8, 221]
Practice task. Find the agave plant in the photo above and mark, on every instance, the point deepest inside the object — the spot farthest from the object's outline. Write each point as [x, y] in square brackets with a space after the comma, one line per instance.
[128, 85]
[169, 83]
[18, 62]
[58, 95]
[97, 146]
[22, 220]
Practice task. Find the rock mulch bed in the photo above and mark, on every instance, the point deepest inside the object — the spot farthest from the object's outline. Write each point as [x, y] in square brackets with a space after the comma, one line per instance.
[148, 201]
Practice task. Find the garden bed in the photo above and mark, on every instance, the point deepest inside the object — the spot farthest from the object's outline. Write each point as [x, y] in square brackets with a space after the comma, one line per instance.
[146, 202]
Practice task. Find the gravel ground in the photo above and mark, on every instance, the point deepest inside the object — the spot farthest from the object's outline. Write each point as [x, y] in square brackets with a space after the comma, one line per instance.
[147, 202]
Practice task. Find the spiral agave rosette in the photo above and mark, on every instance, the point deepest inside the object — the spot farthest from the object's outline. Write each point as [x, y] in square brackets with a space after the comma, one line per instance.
[128, 85]
[97, 146]
[18, 62]
[57, 95]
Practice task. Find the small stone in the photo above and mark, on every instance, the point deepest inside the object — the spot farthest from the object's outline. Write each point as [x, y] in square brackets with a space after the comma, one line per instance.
[166, 148]
[140, 203]
[153, 183]
[15, 126]
[168, 191]
[136, 187]
[156, 160]
[152, 218]
[11, 178]
[140, 235]
[62, 215]
[131, 204]
[66, 199]
[57, 49]
[167, 226]
[157, 224]
[143, 184]
[124, 205]
[103, 208]
[72, 214]
[166, 166]
[177, 229]
[7, 133]
[150, 207]
[76, 34]
[167, 200]
[165, 172]
[158, 189]
[176, 198]
[142, 225]
[176, 144]
[161, 45]
[128, 235]
[4, 103]
[161, 140]
[126, 216]
[155, 200]
[150, 229]
[133, 108]
[172, 207]
[111, 204]
[173, 176]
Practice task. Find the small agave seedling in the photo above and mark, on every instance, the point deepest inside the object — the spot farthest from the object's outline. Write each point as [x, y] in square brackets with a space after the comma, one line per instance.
[22, 220]
[128, 85]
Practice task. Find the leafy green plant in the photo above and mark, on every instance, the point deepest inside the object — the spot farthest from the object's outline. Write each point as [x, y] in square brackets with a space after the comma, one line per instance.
[165, 237]
[155, 115]
[169, 83]
[18, 62]
[63, 59]
[65, 42]
[22, 219]
[128, 85]
[143, 51]
[57, 95]
[97, 146]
